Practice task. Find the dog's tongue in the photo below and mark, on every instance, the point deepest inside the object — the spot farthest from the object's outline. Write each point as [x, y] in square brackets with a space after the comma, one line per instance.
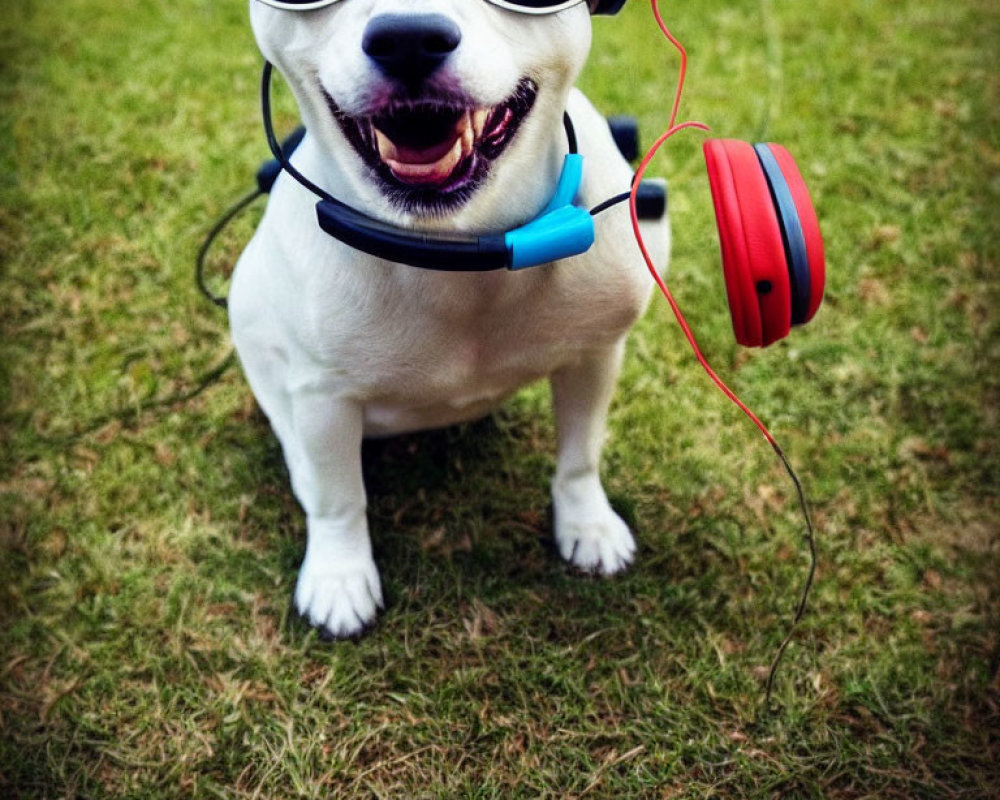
[432, 165]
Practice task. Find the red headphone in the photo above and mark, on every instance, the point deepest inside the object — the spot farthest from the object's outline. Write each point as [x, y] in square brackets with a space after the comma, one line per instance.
[772, 250]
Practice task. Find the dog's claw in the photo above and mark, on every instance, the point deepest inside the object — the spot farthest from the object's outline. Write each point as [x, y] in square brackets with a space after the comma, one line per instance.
[589, 534]
[602, 547]
[340, 600]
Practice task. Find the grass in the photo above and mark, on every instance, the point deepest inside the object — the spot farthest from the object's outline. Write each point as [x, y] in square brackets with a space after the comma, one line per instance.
[147, 647]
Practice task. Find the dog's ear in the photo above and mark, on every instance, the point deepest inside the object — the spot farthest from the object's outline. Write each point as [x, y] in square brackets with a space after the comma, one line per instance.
[606, 7]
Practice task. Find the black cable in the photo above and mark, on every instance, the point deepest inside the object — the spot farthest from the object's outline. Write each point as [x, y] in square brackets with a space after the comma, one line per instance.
[801, 608]
[223, 221]
[207, 380]
[611, 201]
[272, 140]
[243, 202]
[570, 132]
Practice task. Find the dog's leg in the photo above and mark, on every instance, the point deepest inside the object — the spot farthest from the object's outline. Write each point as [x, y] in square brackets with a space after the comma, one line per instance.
[589, 534]
[338, 588]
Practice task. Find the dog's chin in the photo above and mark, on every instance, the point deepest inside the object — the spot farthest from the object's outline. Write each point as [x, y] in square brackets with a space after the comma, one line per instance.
[429, 155]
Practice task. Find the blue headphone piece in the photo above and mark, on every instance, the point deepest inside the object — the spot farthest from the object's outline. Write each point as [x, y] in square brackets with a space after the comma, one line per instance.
[560, 231]
[791, 233]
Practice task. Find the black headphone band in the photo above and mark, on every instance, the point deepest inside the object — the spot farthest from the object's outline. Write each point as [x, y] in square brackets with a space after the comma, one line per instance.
[440, 253]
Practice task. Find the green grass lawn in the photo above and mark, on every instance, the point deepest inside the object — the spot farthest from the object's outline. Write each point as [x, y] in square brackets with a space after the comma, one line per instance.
[147, 647]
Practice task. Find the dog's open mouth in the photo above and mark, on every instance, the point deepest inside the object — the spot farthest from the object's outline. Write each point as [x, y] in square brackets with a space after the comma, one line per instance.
[432, 153]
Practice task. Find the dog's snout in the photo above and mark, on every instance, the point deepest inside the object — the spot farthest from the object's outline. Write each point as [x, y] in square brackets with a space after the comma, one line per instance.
[410, 47]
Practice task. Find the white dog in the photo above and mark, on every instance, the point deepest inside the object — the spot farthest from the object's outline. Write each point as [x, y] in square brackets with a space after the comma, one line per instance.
[442, 116]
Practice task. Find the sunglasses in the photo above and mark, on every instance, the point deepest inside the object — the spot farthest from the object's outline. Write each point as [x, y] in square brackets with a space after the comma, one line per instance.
[521, 6]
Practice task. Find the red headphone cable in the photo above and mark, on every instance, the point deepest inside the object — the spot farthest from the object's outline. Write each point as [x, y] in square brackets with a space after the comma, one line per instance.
[672, 128]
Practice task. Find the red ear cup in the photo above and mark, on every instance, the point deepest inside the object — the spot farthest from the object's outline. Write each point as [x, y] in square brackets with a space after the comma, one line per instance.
[753, 252]
[772, 249]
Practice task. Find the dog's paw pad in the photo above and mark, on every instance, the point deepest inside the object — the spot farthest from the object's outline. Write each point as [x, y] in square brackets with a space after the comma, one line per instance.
[603, 546]
[340, 600]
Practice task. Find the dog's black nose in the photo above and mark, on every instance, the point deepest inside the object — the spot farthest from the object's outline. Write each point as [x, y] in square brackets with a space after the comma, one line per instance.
[410, 47]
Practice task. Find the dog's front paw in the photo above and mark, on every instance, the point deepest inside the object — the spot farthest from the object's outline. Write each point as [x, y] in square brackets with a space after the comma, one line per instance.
[603, 546]
[590, 535]
[341, 598]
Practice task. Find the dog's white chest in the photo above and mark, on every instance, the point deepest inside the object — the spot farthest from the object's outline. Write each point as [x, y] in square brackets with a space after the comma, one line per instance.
[443, 387]
[473, 342]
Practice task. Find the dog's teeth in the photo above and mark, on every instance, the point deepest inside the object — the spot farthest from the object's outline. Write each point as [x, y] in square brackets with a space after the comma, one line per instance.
[479, 117]
[386, 149]
[468, 135]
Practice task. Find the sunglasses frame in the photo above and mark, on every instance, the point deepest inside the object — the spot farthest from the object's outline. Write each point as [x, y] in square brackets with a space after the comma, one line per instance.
[313, 5]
